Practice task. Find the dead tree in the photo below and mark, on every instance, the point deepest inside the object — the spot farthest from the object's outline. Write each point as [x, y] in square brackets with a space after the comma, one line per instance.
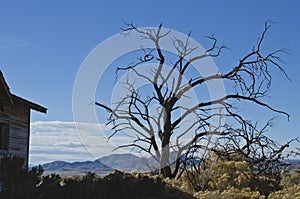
[248, 143]
[250, 78]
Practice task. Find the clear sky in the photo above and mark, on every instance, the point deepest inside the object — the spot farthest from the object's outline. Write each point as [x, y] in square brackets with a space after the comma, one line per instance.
[43, 43]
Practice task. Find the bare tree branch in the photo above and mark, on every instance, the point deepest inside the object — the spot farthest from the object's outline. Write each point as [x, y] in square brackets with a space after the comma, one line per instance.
[155, 114]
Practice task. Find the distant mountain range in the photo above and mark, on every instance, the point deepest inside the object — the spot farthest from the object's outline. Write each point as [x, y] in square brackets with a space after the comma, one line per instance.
[78, 168]
[128, 162]
[295, 164]
[122, 162]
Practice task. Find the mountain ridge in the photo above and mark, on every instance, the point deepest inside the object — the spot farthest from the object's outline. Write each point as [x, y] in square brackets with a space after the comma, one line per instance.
[124, 162]
[78, 168]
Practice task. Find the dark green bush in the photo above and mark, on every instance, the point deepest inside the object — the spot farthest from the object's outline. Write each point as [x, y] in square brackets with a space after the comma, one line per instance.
[119, 185]
[17, 182]
[226, 179]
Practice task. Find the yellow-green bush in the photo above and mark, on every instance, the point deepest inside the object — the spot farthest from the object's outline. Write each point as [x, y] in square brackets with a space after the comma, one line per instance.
[229, 174]
[232, 193]
[222, 178]
[290, 179]
[292, 192]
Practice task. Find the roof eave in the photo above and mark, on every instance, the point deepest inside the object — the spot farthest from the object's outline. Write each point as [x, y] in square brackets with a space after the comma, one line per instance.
[31, 105]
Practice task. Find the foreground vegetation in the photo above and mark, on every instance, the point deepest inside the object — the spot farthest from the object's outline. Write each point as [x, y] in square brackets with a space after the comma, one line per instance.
[222, 179]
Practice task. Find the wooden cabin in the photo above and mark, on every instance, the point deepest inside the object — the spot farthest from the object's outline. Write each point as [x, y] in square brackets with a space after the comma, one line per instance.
[15, 122]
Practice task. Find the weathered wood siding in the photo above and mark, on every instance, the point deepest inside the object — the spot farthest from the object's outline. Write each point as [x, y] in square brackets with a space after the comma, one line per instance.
[15, 122]
[17, 116]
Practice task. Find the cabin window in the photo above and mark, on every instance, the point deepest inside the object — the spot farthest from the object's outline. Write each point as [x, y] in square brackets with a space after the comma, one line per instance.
[4, 136]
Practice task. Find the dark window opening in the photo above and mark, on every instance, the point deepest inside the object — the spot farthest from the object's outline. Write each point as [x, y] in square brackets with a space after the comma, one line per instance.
[4, 136]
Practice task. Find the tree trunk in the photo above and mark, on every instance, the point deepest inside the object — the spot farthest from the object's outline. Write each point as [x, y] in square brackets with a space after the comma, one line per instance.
[165, 168]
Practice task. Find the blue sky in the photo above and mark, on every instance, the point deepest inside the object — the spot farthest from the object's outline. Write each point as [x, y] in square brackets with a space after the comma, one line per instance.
[42, 45]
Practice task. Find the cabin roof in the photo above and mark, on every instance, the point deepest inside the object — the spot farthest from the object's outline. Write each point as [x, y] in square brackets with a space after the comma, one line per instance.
[13, 98]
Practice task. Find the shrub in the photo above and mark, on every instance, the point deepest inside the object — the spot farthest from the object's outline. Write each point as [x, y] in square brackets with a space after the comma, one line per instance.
[227, 174]
[291, 178]
[219, 177]
[292, 192]
[232, 193]
[224, 179]
[17, 182]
